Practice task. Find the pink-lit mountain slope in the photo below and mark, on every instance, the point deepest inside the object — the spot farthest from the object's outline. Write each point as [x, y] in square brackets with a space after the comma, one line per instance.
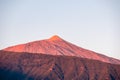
[57, 46]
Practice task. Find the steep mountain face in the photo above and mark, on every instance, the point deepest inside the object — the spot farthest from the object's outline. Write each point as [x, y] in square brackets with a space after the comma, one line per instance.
[57, 46]
[29, 66]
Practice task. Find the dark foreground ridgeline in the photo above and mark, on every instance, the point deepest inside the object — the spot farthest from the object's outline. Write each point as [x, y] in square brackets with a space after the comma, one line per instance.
[29, 66]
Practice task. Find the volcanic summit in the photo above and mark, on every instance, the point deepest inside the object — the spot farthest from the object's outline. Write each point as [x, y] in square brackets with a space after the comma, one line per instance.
[55, 59]
[54, 38]
[55, 45]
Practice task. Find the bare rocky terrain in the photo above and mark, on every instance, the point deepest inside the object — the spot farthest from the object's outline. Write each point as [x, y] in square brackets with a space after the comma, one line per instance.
[28, 66]
[56, 59]
[58, 46]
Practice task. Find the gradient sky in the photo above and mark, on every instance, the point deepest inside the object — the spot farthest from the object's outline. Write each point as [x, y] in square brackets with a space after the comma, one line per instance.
[91, 24]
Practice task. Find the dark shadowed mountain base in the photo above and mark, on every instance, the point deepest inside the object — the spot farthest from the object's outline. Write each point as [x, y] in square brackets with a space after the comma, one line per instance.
[27, 66]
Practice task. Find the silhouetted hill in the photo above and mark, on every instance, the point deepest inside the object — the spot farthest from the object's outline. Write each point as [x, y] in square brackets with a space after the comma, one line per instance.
[29, 66]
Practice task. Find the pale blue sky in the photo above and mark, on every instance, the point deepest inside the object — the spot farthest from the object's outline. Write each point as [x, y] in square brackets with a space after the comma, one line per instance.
[91, 24]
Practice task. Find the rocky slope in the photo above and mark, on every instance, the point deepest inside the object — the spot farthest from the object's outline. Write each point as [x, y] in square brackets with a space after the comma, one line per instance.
[57, 46]
[56, 59]
[29, 66]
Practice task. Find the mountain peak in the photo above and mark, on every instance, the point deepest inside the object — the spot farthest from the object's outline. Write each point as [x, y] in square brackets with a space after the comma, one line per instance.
[58, 46]
[54, 38]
